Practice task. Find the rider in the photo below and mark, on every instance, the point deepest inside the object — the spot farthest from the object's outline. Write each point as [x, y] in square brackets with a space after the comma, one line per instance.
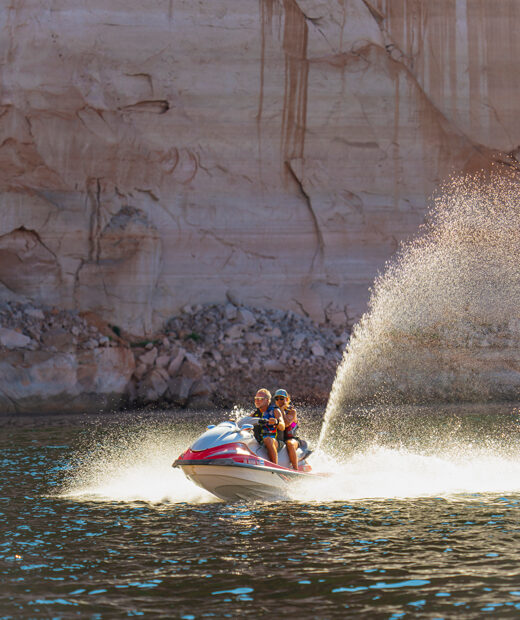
[272, 421]
[262, 402]
[283, 401]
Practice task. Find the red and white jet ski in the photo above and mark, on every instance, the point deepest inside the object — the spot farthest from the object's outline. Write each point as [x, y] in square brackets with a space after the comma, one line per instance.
[227, 461]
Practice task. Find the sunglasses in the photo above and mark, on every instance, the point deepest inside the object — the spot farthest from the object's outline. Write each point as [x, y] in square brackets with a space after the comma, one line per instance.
[260, 397]
[279, 397]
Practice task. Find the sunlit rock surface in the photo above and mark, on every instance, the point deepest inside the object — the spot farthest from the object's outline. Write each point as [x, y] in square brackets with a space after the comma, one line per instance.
[78, 381]
[272, 153]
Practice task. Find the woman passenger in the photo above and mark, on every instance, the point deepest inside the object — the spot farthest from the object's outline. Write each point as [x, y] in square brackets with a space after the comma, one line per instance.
[283, 402]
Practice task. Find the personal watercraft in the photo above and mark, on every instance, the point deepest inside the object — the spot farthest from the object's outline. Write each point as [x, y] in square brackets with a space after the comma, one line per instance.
[227, 461]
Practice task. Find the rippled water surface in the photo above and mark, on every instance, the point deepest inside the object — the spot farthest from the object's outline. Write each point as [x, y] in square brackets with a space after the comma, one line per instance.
[97, 524]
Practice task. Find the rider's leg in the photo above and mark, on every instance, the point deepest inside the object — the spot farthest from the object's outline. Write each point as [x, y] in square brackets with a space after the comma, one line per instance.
[292, 446]
[270, 444]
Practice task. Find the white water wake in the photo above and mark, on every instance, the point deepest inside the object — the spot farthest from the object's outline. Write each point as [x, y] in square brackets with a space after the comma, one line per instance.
[134, 470]
[143, 473]
[381, 472]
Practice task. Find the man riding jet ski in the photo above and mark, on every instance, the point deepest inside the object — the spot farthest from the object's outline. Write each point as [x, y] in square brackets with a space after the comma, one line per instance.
[228, 461]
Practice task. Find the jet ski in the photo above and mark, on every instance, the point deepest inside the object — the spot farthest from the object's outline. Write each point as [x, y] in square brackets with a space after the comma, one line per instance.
[227, 461]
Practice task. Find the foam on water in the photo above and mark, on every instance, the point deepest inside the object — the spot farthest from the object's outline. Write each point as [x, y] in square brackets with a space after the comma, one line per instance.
[381, 472]
[134, 465]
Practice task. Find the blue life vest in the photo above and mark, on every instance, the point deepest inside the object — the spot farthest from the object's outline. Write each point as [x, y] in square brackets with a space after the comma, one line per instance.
[267, 429]
[263, 430]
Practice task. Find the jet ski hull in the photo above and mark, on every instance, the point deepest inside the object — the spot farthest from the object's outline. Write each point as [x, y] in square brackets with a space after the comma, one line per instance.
[229, 463]
[236, 481]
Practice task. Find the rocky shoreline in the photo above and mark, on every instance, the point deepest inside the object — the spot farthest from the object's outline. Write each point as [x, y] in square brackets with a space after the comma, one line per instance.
[211, 356]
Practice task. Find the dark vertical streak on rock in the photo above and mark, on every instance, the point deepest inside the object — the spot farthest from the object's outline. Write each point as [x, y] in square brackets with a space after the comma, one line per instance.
[76, 286]
[294, 119]
[266, 18]
[268, 10]
[94, 198]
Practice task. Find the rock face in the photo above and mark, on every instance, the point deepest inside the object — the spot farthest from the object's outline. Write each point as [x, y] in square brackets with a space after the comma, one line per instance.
[78, 382]
[57, 361]
[271, 153]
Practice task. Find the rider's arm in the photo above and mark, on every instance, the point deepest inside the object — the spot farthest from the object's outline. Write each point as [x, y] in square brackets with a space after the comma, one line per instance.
[290, 417]
[279, 417]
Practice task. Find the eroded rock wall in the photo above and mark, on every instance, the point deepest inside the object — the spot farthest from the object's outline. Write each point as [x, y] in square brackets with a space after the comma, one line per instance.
[271, 152]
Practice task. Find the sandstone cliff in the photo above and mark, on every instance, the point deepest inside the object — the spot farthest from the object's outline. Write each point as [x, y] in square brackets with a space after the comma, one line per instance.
[276, 151]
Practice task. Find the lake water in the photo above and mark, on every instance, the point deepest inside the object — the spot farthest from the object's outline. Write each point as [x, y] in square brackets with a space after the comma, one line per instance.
[420, 519]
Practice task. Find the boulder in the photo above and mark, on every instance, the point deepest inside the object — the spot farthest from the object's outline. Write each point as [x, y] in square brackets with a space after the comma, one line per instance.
[317, 350]
[297, 341]
[216, 355]
[200, 388]
[152, 386]
[162, 361]
[179, 389]
[245, 316]
[140, 371]
[273, 366]
[149, 357]
[12, 339]
[234, 297]
[176, 362]
[191, 368]
[163, 373]
[234, 332]
[253, 338]
[230, 312]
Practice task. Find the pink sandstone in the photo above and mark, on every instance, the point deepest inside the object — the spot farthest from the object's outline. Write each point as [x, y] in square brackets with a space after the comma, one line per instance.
[165, 153]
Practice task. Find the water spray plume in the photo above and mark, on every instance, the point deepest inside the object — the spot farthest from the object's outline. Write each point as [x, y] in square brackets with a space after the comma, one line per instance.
[443, 322]
[133, 465]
